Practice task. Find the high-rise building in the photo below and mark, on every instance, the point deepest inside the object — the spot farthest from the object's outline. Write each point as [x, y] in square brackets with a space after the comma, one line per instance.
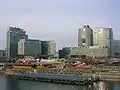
[48, 48]
[13, 36]
[104, 37]
[29, 47]
[85, 36]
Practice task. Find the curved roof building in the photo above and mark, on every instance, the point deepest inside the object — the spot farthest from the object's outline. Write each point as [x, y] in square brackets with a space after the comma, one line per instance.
[85, 36]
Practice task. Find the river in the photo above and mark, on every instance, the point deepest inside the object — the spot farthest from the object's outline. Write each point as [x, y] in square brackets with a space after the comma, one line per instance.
[8, 83]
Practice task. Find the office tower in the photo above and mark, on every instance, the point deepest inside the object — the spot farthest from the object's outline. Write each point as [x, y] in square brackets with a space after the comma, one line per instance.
[29, 47]
[85, 36]
[104, 37]
[13, 36]
[48, 48]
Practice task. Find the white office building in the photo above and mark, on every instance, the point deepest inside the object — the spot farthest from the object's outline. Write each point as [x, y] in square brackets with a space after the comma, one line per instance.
[104, 37]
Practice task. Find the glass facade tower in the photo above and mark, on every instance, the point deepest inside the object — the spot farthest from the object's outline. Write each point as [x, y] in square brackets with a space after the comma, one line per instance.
[13, 36]
[104, 37]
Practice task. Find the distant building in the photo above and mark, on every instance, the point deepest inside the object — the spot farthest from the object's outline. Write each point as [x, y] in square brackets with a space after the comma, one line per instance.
[2, 54]
[48, 48]
[99, 52]
[29, 47]
[99, 44]
[13, 36]
[104, 37]
[91, 51]
[117, 48]
[85, 36]
[64, 52]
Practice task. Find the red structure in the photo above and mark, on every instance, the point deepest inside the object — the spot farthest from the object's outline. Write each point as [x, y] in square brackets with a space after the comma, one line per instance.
[83, 65]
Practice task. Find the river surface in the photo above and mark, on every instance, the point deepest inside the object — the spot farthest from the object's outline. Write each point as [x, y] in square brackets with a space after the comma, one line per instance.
[8, 83]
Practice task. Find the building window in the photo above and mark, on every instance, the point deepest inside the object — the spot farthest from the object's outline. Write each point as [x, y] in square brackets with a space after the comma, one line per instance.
[83, 41]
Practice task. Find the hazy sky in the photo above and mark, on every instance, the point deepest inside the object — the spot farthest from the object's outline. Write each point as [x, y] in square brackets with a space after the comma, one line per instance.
[58, 19]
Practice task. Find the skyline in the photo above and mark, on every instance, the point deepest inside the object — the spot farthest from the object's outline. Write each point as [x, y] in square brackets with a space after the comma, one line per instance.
[40, 19]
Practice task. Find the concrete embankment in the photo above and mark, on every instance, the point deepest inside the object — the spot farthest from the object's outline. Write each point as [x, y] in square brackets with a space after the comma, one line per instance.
[110, 77]
[55, 78]
[106, 76]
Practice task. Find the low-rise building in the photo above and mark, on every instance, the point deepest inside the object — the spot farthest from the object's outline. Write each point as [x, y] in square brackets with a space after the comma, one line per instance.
[64, 52]
[91, 51]
[99, 51]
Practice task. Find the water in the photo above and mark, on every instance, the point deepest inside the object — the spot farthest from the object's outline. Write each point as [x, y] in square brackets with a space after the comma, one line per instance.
[7, 83]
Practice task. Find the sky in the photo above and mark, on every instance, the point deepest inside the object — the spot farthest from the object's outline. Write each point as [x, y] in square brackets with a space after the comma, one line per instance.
[58, 19]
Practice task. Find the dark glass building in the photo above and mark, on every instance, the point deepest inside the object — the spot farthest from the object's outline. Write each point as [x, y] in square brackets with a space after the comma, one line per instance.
[13, 36]
[64, 53]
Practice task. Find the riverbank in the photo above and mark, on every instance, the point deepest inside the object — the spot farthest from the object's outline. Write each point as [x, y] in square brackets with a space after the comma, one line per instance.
[104, 75]
[109, 77]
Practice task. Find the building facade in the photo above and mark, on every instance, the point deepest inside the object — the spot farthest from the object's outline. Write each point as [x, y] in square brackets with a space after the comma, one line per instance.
[117, 48]
[29, 47]
[48, 48]
[92, 51]
[64, 52]
[85, 36]
[104, 37]
[13, 36]
[2, 54]
[99, 44]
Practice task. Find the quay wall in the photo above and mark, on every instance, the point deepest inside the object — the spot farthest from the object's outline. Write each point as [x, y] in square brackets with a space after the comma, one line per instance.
[57, 78]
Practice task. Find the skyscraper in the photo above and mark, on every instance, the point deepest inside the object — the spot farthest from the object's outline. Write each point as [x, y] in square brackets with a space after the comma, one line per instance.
[104, 37]
[13, 36]
[85, 36]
